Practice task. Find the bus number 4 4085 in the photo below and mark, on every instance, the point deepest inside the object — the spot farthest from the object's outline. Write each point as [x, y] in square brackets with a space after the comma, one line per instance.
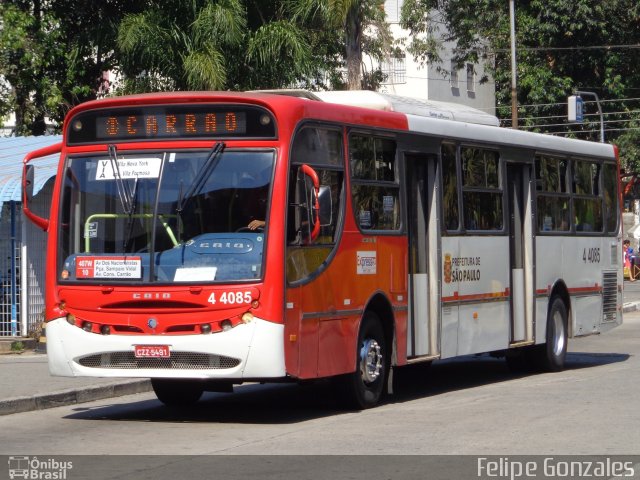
[230, 298]
[591, 255]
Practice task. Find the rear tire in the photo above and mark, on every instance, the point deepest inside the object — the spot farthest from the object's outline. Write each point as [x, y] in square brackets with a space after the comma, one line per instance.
[365, 386]
[177, 393]
[551, 355]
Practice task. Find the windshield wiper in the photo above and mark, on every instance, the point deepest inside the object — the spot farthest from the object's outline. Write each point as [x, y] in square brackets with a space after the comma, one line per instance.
[124, 192]
[133, 204]
[200, 178]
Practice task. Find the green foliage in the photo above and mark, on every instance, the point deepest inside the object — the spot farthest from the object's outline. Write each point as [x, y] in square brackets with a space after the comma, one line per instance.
[53, 55]
[562, 46]
[234, 44]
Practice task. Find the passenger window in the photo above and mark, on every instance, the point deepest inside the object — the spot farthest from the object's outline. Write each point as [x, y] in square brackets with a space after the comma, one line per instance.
[481, 193]
[553, 198]
[449, 187]
[587, 202]
[375, 187]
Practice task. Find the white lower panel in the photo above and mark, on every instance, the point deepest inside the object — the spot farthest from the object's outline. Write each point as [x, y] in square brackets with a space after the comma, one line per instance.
[258, 345]
[518, 306]
[420, 320]
[586, 316]
[483, 327]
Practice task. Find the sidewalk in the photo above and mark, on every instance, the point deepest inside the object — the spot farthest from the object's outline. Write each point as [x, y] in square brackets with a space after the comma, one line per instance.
[25, 383]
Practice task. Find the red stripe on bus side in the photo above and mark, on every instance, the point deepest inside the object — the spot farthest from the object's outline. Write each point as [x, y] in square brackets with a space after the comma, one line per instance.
[476, 296]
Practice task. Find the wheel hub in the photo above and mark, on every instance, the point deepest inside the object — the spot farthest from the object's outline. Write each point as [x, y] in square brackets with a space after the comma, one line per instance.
[370, 360]
[558, 334]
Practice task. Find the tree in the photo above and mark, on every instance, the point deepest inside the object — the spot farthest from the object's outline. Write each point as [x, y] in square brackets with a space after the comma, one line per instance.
[53, 55]
[212, 45]
[23, 59]
[562, 46]
[236, 44]
[364, 26]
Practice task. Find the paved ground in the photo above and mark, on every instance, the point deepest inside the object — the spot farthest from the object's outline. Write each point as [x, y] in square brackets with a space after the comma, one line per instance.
[25, 383]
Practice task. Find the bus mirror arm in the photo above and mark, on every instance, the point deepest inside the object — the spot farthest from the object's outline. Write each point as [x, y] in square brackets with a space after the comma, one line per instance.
[28, 182]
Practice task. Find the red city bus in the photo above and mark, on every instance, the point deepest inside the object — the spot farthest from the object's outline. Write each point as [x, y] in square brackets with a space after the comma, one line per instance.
[209, 239]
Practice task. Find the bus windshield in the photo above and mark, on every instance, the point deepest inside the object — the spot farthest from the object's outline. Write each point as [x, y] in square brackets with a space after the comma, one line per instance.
[166, 216]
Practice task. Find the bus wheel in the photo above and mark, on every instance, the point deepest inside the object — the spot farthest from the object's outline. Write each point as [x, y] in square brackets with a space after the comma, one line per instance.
[177, 393]
[551, 355]
[365, 386]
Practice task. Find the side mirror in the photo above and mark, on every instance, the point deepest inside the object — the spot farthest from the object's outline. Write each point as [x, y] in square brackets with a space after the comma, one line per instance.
[326, 206]
[28, 183]
[312, 203]
[29, 179]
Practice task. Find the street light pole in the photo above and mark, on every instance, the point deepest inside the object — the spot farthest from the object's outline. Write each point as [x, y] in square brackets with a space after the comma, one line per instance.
[514, 94]
[595, 95]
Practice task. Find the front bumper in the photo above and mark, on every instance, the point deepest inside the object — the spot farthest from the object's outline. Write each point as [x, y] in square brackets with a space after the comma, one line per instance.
[247, 351]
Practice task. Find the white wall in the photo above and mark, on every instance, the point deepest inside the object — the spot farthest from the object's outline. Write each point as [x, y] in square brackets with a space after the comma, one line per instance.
[428, 83]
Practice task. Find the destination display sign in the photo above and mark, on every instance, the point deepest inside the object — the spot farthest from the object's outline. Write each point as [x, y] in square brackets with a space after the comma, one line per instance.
[109, 267]
[170, 122]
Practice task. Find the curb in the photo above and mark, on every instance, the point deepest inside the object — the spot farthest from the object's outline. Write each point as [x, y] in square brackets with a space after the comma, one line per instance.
[72, 396]
[631, 307]
[8, 345]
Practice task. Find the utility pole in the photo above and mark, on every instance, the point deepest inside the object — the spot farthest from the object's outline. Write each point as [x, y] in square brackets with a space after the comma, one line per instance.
[514, 94]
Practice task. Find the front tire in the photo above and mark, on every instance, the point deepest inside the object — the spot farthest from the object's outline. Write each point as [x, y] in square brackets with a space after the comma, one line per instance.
[365, 386]
[551, 355]
[177, 393]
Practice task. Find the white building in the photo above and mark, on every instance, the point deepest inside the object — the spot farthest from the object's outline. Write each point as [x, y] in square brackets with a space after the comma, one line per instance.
[407, 78]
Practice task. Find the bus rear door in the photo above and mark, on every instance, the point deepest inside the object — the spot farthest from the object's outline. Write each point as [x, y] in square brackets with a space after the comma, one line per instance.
[423, 246]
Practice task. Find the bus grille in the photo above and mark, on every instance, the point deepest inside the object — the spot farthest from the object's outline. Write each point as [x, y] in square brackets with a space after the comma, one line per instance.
[178, 360]
[609, 296]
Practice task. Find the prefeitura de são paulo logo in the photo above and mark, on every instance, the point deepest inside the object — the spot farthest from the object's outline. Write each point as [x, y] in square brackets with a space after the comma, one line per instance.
[38, 469]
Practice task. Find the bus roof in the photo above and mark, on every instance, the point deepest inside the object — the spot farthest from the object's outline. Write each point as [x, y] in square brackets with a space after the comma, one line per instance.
[396, 103]
[447, 120]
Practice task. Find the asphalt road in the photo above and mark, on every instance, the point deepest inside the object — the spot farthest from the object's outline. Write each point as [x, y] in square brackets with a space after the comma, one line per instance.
[469, 406]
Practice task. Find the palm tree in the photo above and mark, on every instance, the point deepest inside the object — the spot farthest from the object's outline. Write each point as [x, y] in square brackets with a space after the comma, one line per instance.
[353, 17]
[212, 45]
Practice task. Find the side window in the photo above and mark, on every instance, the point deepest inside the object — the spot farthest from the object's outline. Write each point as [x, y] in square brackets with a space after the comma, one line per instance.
[451, 214]
[316, 155]
[481, 192]
[375, 186]
[611, 197]
[587, 201]
[553, 195]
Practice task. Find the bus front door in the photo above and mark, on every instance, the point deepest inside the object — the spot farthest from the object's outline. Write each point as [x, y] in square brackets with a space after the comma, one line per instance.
[423, 244]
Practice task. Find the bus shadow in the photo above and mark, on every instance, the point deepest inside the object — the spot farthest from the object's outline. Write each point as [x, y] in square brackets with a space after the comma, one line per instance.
[248, 404]
[424, 380]
[294, 403]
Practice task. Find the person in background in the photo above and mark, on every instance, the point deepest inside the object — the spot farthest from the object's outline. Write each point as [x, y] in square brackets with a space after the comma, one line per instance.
[629, 258]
